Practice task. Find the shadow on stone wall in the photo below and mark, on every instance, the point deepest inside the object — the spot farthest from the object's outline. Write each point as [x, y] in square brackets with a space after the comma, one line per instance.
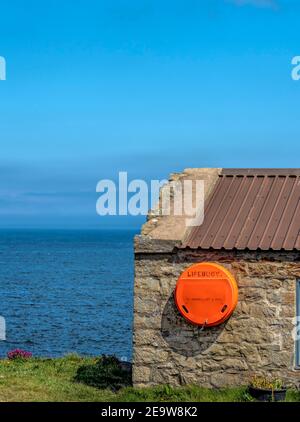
[183, 337]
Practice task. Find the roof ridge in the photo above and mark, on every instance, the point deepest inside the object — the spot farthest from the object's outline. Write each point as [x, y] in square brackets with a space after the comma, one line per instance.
[260, 172]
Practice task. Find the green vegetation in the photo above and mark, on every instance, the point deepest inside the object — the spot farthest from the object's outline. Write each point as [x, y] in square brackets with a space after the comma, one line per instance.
[267, 383]
[106, 372]
[71, 379]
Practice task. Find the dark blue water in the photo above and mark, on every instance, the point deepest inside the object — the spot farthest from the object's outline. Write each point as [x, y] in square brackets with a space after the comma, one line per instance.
[67, 291]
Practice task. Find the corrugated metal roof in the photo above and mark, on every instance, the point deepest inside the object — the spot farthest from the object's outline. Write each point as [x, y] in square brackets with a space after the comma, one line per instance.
[255, 209]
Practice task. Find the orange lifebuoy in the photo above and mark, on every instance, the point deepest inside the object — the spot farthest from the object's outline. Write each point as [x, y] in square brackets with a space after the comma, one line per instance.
[206, 294]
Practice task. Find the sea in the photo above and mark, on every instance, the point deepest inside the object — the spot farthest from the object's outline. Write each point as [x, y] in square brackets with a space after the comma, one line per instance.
[65, 291]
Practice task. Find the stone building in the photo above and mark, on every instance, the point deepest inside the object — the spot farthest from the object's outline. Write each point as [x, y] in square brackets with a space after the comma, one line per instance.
[251, 227]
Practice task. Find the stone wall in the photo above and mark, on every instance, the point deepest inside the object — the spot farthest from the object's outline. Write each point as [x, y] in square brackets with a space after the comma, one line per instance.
[257, 338]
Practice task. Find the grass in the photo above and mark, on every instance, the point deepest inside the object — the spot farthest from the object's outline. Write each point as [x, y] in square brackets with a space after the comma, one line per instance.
[54, 380]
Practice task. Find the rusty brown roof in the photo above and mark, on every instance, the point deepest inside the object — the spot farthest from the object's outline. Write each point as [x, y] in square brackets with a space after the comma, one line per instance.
[255, 209]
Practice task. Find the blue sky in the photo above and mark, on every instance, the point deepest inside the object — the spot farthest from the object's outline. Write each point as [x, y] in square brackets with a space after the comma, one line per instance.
[148, 87]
